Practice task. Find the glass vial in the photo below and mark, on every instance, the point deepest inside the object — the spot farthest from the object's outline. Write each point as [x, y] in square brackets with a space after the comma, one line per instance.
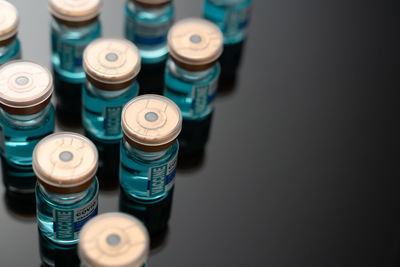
[26, 114]
[113, 239]
[111, 67]
[231, 16]
[74, 25]
[65, 165]
[192, 71]
[149, 149]
[9, 43]
[147, 23]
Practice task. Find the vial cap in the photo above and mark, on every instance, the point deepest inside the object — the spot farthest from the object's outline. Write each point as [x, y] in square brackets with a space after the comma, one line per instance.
[115, 63]
[75, 10]
[151, 122]
[25, 87]
[65, 162]
[113, 239]
[8, 20]
[195, 42]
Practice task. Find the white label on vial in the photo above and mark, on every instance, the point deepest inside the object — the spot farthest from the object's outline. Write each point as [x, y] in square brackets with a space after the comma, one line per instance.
[70, 55]
[203, 96]
[68, 223]
[112, 120]
[147, 34]
[2, 141]
[161, 178]
[236, 19]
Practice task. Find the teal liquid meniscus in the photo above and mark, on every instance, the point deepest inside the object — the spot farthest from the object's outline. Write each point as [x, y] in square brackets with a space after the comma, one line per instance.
[111, 67]
[147, 24]
[65, 165]
[149, 149]
[231, 16]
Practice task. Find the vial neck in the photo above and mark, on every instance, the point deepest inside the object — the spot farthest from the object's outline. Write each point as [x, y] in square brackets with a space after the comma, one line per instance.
[108, 94]
[146, 156]
[63, 198]
[150, 12]
[26, 120]
[187, 74]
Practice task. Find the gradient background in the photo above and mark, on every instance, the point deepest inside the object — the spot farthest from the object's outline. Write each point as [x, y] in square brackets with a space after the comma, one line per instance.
[301, 168]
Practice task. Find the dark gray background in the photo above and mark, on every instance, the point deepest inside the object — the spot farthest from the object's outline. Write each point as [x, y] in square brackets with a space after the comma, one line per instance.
[301, 168]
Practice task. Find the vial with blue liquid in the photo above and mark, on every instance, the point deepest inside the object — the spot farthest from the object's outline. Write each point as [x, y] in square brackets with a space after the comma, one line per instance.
[149, 149]
[231, 16]
[114, 239]
[111, 67]
[74, 25]
[65, 165]
[192, 70]
[9, 43]
[147, 23]
[26, 114]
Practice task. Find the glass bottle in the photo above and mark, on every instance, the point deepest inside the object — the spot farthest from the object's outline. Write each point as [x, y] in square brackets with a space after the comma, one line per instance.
[192, 70]
[111, 67]
[26, 115]
[120, 239]
[147, 23]
[231, 16]
[9, 43]
[74, 25]
[149, 149]
[65, 165]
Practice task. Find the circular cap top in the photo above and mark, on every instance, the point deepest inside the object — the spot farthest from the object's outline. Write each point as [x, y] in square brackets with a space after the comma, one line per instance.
[151, 121]
[8, 20]
[24, 85]
[111, 61]
[65, 162]
[195, 42]
[113, 239]
[75, 10]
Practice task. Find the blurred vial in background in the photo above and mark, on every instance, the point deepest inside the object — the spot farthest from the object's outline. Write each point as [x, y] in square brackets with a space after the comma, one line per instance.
[56, 255]
[146, 25]
[154, 214]
[74, 25]
[111, 67]
[113, 239]
[9, 43]
[192, 71]
[26, 116]
[67, 190]
[231, 16]
[149, 149]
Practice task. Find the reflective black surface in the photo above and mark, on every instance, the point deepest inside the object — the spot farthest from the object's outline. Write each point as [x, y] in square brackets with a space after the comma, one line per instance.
[301, 162]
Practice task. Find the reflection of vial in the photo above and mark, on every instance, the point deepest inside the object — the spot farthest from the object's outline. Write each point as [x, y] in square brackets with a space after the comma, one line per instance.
[231, 16]
[149, 149]
[74, 25]
[65, 165]
[147, 24]
[192, 70]
[111, 67]
[9, 43]
[113, 239]
[27, 114]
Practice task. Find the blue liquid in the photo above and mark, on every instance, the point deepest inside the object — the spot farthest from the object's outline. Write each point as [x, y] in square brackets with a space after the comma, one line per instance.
[68, 44]
[21, 134]
[101, 114]
[148, 28]
[192, 91]
[231, 16]
[10, 52]
[49, 203]
[138, 175]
